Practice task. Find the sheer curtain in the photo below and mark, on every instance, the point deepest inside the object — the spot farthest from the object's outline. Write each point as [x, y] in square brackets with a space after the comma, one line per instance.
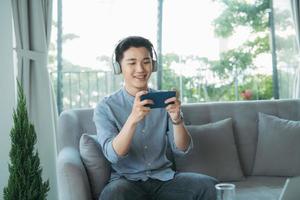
[295, 6]
[32, 24]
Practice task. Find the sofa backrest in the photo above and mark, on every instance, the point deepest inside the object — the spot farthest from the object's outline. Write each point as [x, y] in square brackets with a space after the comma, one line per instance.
[245, 117]
[73, 123]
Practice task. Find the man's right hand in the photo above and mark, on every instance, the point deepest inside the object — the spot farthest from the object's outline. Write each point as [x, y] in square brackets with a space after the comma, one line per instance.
[139, 110]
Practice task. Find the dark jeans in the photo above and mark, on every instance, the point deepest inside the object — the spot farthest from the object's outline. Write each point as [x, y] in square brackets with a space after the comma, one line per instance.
[184, 186]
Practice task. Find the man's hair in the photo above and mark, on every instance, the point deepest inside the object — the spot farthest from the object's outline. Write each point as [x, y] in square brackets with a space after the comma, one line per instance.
[132, 41]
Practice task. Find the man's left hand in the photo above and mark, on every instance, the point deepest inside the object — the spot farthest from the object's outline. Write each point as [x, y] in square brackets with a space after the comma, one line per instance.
[174, 108]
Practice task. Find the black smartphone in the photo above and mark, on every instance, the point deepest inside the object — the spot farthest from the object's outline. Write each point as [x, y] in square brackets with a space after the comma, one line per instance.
[159, 98]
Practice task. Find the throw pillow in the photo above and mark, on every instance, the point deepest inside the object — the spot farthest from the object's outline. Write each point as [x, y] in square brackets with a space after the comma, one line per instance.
[97, 167]
[214, 153]
[278, 148]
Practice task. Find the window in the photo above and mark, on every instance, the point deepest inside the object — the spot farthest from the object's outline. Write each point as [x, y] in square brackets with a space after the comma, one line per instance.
[220, 55]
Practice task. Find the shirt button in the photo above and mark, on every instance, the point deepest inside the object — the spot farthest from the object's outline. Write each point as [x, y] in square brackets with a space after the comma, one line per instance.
[145, 147]
[149, 164]
[148, 172]
[143, 131]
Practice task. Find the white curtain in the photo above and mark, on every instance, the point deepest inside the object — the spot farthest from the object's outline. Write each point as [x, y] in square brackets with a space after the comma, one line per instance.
[32, 24]
[295, 6]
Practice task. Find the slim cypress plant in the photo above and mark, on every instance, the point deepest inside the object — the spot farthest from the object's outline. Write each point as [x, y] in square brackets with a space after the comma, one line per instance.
[25, 179]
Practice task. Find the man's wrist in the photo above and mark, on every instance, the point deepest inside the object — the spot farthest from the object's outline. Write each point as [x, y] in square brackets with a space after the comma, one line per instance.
[179, 120]
[132, 120]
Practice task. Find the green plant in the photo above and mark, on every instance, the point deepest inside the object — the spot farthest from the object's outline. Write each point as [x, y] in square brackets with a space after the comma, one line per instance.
[25, 179]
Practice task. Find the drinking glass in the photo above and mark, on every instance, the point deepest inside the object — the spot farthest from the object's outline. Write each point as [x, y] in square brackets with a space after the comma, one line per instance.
[225, 191]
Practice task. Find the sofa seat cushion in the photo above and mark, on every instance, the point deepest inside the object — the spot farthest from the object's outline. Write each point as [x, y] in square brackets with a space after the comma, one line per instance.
[214, 153]
[259, 188]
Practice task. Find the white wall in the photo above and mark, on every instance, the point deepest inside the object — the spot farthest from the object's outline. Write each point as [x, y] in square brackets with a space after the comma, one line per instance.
[7, 88]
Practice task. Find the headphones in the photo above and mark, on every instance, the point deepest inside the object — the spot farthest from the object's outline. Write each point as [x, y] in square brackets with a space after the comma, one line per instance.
[116, 65]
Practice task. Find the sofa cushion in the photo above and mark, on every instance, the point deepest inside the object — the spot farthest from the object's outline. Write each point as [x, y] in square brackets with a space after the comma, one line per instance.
[214, 152]
[97, 167]
[278, 147]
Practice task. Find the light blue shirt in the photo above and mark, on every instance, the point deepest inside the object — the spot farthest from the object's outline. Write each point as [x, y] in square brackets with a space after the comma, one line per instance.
[147, 154]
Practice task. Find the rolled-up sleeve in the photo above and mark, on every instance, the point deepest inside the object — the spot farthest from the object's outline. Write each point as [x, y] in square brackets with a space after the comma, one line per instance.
[176, 151]
[106, 131]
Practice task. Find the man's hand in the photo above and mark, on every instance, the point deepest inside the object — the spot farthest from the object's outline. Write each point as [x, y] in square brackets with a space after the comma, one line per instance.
[174, 109]
[139, 110]
[181, 136]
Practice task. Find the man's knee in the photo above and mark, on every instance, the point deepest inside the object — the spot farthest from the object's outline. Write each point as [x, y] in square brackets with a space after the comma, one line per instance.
[203, 186]
[116, 190]
[207, 188]
[197, 179]
[209, 181]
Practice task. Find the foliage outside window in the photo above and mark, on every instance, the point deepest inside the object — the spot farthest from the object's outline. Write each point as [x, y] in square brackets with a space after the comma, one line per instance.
[236, 69]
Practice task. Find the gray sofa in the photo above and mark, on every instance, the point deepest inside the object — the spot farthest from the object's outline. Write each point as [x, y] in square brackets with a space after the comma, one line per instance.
[252, 184]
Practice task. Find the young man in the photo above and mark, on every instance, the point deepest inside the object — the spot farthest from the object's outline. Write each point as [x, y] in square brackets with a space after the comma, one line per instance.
[134, 138]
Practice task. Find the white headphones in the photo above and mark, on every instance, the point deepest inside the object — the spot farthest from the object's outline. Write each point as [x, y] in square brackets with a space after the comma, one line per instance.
[116, 65]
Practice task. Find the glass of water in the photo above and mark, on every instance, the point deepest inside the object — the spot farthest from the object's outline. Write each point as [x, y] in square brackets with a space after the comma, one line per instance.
[225, 191]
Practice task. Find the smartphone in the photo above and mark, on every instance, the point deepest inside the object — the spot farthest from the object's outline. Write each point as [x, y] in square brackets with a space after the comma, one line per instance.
[159, 98]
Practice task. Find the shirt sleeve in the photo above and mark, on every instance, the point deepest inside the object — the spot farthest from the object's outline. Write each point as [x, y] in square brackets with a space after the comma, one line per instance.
[106, 131]
[170, 133]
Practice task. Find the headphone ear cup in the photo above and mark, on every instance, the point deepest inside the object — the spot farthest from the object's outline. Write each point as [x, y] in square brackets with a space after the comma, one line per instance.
[117, 68]
[154, 65]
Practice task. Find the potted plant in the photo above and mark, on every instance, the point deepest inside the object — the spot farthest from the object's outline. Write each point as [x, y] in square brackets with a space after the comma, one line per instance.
[25, 179]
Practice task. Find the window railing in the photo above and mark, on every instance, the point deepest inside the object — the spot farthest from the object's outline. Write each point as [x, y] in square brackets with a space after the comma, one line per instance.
[86, 88]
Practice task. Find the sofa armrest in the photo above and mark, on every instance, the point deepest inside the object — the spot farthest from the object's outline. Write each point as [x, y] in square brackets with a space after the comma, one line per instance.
[69, 130]
[73, 182]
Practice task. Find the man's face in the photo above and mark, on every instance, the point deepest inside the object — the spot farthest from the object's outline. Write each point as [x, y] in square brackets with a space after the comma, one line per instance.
[136, 68]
